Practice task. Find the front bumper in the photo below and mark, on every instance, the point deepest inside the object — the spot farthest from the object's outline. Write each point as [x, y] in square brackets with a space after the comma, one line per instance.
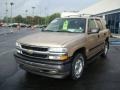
[49, 68]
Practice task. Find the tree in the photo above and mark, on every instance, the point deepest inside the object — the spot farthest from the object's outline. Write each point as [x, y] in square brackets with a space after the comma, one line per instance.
[33, 20]
[19, 19]
[53, 16]
[29, 20]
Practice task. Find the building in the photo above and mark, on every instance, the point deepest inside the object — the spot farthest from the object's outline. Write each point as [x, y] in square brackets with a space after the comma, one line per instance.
[108, 9]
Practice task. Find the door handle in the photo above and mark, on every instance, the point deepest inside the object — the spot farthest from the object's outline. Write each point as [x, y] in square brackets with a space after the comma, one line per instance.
[104, 34]
[98, 35]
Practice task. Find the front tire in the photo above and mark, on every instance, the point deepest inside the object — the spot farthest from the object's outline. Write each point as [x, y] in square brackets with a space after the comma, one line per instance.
[77, 66]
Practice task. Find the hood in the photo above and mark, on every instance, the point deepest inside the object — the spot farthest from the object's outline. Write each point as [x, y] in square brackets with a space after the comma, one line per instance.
[51, 39]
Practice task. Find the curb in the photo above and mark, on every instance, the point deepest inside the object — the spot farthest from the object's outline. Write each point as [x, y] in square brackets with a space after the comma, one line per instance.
[116, 36]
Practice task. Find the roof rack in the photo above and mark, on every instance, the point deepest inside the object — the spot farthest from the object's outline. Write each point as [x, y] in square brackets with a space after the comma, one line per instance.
[76, 14]
[80, 15]
[73, 14]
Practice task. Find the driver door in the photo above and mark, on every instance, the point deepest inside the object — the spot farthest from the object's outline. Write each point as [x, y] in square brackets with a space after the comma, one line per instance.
[92, 39]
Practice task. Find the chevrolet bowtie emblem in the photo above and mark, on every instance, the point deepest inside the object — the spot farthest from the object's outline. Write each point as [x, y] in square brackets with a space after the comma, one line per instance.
[30, 51]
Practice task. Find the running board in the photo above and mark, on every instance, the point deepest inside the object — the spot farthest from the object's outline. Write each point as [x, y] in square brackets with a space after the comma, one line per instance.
[94, 57]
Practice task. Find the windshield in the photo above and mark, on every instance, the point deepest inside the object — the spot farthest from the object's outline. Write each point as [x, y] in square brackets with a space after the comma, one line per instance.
[67, 25]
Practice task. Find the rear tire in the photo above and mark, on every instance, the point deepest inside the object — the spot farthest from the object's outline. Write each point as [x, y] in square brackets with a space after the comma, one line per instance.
[106, 47]
[77, 66]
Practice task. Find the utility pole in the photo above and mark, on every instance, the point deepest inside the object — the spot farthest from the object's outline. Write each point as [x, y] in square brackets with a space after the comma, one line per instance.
[33, 13]
[40, 10]
[11, 3]
[26, 11]
[11, 11]
[45, 16]
[33, 10]
[6, 4]
[1, 12]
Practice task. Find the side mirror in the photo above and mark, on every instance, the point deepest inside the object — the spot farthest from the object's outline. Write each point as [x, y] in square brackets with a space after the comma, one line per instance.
[107, 26]
[92, 31]
[42, 29]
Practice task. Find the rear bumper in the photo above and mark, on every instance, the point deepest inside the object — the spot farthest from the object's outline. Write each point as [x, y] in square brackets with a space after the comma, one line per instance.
[50, 69]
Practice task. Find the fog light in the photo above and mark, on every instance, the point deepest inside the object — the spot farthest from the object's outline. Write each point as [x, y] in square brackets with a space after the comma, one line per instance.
[53, 72]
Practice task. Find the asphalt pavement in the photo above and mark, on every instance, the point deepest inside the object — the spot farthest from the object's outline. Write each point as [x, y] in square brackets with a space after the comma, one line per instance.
[102, 74]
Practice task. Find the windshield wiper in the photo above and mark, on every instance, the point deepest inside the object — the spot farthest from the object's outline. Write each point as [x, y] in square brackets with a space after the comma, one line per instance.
[56, 31]
[64, 31]
[48, 31]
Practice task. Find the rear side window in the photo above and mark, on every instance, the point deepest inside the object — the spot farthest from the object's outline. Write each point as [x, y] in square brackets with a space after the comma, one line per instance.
[99, 24]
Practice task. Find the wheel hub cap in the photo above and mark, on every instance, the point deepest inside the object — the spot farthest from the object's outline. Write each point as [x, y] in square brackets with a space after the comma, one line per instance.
[78, 67]
[106, 49]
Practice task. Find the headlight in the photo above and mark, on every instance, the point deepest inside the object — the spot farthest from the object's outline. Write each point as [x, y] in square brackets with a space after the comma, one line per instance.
[58, 50]
[59, 57]
[58, 54]
[19, 51]
[18, 45]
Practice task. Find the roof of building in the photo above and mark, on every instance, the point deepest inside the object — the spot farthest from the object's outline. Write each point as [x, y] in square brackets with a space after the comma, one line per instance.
[101, 7]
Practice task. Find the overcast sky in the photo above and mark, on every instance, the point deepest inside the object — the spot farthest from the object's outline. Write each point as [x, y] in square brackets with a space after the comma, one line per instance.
[51, 6]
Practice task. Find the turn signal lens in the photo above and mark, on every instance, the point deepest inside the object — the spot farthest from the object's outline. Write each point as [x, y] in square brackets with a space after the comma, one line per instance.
[64, 57]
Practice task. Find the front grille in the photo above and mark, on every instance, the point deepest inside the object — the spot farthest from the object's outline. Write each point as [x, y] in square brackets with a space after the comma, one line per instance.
[34, 48]
[34, 51]
[35, 55]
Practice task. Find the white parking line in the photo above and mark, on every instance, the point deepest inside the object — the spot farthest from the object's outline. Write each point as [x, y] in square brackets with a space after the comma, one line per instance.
[6, 52]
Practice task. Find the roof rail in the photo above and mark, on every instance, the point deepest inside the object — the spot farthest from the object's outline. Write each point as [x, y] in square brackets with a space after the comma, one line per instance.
[73, 14]
[80, 15]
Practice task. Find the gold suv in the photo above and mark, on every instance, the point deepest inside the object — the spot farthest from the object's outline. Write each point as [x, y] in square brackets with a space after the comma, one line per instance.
[64, 47]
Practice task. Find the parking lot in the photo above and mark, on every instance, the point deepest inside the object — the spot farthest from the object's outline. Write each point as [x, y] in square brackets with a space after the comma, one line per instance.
[102, 74]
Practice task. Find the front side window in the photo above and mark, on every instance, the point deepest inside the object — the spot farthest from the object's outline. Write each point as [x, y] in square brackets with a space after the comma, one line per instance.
[91, 25]
[67, 25]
